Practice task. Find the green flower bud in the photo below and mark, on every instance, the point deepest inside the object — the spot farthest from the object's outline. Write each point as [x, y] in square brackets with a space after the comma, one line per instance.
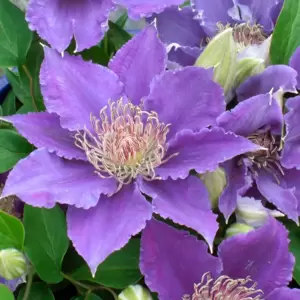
[238, 228]
[247, 67]
[221, 54]
[251, 212]
[215, 183]
[12, 264]
[135, 292]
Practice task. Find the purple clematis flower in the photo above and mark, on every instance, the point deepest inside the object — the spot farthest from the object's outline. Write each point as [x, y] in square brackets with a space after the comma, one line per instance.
[261, 120]
[98, 151]
[252, 266]
[57, 21]
[187, 30]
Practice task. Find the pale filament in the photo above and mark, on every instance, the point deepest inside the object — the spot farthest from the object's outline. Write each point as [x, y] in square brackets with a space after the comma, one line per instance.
[125, 142]
[225, 288]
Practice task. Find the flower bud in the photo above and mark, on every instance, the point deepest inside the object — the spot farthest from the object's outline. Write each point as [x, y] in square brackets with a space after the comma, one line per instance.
[135, 292]
[251, 212]
[247, 67]
[215, 182]
[12, 264]
[221, 54]
[238, 228]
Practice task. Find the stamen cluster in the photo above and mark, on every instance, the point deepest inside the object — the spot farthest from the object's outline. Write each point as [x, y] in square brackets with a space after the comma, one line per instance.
[246, 35]
[225, 288]
[124, 142]
[267, 158]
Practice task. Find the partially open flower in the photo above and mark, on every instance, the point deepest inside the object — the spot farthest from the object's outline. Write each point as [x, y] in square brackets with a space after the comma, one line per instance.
[189, 31]
[260, 119]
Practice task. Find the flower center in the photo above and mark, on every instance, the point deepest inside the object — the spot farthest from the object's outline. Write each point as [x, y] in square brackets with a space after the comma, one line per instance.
[225, 288]
[124, 142]
[245, 34]
[267, 159]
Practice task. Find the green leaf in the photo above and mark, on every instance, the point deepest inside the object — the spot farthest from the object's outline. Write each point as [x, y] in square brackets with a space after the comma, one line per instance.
[117, 36]
[294, 236]
[118, 271]
[46, 241]
[15, 37]
[25, 82]
[286, 36]
[9, 104]
[96, 54]
[5, 293]
[38, 291]
[11, 232]
[13, 147]
[89, 297]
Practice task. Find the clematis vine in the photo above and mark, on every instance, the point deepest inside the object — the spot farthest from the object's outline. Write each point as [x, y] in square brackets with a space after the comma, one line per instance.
[57, 21]
[253, 266]
[111, 135]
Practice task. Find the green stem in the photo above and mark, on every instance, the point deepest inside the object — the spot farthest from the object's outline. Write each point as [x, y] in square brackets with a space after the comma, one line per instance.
[75, 282]
[89, 288]
[29, 283]
[31, 87]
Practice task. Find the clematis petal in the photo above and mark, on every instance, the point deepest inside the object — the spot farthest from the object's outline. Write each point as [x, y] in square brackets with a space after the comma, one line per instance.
[183, 56]
[194, 110]
[238, 182]
[292, 181]
[43, 130]
[281, 195]
[291, 150]
[213, 12]
[145, 8]
[262, 254]
[284, 293]
[75, 89]
[42, 179]
[144, 54]
[173, 261]
[295, 64]
[12, 284]
[186, 202]
[260, 12]
[101, 230]
[252, 114]
[272, 79]
[57, 21]
[202, 151]
[179, 26]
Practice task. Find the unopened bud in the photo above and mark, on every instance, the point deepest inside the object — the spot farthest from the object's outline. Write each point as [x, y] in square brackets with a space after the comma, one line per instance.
[215, 183]
[12, 264]
[221, 54]
[135, 292]
[238, 228]
[247, 67]
[251, 212]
